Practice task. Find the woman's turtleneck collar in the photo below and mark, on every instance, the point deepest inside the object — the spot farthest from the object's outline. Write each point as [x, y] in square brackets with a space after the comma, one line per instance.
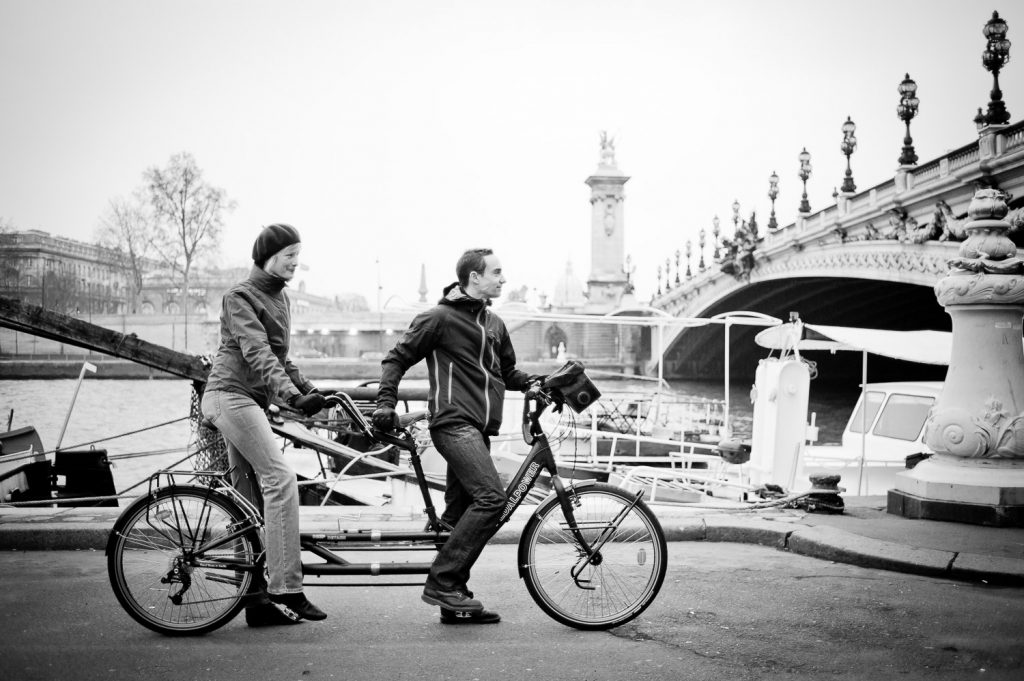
[267, 283]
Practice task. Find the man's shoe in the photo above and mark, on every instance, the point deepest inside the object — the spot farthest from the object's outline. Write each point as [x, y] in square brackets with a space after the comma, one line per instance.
[452, 600]
[298, 605]
[480, 617]
[269, 615]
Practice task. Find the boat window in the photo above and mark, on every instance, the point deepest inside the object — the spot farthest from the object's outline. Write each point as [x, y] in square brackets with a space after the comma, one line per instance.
[874, 401]
[904, 416]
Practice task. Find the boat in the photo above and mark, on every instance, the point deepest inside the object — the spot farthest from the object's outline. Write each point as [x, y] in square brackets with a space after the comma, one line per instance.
[24, 468]
[883, 436]
[71, 478]
[884, 433]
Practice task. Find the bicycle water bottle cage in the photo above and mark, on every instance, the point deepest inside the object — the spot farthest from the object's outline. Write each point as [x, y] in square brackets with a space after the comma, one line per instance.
[571, 385]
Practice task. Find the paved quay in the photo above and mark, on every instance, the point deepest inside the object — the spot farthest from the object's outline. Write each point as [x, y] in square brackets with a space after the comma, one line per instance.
[864, 534]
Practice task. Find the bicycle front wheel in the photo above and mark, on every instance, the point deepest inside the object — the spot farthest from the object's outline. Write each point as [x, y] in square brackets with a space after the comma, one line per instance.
[614, 586]
[173, 564]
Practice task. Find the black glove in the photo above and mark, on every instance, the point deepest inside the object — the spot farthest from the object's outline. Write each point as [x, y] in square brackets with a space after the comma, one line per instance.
[308, 404]
[385, 419]
[533, 388]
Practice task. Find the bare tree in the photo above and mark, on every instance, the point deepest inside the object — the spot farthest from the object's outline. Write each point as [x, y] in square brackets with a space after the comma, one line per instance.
[127, 227]
[189, 215]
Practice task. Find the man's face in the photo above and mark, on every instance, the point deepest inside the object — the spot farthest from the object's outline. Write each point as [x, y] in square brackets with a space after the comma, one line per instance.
[488, 283]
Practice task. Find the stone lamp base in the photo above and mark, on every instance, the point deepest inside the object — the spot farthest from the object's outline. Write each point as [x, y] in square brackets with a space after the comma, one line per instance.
[989, 492]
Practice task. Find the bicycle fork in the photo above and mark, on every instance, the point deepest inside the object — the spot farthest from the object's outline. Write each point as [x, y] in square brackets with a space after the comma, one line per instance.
[590, 554]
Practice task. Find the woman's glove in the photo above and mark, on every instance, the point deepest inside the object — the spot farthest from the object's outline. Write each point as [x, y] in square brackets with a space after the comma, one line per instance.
[308, 404]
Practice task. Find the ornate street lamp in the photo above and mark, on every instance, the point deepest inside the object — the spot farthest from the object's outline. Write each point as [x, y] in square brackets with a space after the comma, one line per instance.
[668, 275]
[848, 146]
[735, 215]
[701, 236]
[906, 110]
[979, 120]
[689, 252]
[659, 280]
[805, 172]
[773, 193]
[677, 266]
[715, 231]
[994, 58]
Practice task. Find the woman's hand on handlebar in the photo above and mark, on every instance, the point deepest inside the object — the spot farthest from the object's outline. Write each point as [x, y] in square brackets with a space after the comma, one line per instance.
[309, 404]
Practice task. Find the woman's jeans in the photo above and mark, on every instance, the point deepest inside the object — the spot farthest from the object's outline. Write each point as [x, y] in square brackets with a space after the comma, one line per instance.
[257, 463]
[474, 499]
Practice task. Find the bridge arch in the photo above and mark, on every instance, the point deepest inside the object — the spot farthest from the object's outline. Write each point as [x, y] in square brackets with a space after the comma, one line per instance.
[884, 285]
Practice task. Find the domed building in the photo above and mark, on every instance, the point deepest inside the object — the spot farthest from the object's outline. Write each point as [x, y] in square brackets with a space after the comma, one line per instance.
[569, 293]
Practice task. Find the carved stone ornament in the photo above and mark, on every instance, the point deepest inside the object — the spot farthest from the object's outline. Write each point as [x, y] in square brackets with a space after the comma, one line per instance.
[989, 433]
[963, 289]
[988, 249]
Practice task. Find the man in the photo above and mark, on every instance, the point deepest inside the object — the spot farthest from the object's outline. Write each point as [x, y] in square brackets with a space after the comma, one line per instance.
[471, 363]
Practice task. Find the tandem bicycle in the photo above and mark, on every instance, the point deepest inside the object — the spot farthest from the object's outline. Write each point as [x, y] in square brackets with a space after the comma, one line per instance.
[185, 558]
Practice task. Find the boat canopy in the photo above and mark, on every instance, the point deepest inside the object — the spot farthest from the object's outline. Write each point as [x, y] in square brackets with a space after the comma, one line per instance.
[925, 347]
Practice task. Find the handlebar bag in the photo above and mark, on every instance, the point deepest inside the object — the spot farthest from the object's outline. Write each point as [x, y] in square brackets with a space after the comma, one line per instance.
[573, 385]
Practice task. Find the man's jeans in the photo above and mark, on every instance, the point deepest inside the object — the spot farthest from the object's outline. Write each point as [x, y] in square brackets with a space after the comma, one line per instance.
[474, 499]
[255, 456]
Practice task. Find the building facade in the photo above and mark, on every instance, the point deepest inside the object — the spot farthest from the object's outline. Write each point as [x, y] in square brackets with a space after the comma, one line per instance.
[62, 274]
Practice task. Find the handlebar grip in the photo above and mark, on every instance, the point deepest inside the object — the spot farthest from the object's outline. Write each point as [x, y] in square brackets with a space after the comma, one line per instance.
[398, 438]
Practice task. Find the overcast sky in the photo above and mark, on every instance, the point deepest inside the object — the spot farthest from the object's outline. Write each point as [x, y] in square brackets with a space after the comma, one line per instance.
[395, 134]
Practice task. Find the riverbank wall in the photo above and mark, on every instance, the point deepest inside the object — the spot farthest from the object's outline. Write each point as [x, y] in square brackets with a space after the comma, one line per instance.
[341, 369]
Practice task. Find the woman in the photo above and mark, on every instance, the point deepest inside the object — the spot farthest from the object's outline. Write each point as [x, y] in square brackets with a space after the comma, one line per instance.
[252, 369]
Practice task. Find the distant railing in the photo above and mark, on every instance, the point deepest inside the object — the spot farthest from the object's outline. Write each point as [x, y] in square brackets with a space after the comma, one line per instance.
[964, 156]
[1013, 136]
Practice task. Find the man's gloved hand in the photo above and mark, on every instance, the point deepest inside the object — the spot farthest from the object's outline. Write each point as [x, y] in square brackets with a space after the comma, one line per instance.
[533, 390]
[385, 419]
[308, 404]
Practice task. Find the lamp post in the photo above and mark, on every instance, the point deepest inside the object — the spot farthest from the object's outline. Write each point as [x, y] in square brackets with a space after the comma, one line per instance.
[735, 215]
[994, 58]
[701, 236]
[805, 172]
[848, 146]
[773, 193]
[715, 231]
[677, 266]
[668, 277]
[906, 110]
[659, 280]
[689, 253]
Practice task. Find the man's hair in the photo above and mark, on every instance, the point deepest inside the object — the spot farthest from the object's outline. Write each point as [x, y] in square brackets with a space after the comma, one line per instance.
[471, 261]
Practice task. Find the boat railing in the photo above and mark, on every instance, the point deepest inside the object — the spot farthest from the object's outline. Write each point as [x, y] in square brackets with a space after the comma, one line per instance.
[659, 414]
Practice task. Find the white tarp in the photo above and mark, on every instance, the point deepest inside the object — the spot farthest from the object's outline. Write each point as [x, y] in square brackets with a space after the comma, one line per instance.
[926, 347]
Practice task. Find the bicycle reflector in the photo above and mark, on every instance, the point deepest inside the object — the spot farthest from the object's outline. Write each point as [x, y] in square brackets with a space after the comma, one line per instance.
[573, 385]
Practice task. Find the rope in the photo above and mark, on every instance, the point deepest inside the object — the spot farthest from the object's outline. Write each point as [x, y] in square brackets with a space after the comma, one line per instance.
[130, 432]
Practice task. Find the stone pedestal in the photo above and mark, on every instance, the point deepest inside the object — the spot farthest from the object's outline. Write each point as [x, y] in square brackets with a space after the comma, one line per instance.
[976, 427]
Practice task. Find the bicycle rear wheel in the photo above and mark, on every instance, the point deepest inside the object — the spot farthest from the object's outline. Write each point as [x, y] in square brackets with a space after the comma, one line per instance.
[162, 575]
[617, 584]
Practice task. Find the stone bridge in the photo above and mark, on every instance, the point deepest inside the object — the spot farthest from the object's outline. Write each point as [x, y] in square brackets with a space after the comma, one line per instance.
[869, 260]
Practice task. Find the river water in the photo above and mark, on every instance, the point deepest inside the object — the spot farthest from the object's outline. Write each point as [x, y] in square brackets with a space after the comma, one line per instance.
[107, 408]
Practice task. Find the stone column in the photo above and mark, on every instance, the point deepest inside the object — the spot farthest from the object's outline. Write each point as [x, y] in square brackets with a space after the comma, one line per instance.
[976, 427]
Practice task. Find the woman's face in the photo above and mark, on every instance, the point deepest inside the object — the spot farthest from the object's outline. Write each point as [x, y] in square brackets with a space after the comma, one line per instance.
[284, 263]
